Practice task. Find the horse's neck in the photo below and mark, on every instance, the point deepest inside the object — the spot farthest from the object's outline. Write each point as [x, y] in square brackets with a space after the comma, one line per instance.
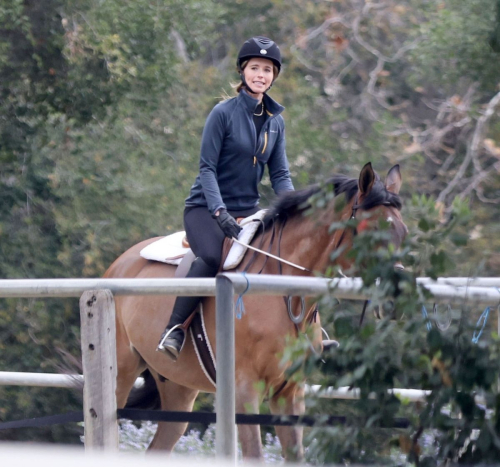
[308, 242]
[303, 242]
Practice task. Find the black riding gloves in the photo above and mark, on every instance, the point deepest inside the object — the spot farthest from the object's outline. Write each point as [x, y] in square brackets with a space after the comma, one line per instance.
[228, 224]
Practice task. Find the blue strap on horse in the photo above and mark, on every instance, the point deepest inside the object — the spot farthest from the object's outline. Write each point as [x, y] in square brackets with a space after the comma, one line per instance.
[426, 317]
[240, 306]
[483, 318]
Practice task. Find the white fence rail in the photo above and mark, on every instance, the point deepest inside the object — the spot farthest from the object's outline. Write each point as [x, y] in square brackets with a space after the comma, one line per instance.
[46, 288]
[98, 407]
[54, 380]
[472, 289]
[47, 380]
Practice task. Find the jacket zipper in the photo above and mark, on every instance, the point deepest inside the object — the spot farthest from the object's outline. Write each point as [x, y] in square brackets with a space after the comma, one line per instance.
[265, 143]
[265, 140]
[263, 149]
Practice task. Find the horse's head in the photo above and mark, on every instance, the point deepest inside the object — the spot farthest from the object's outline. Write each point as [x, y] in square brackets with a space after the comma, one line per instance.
[374, 203]
[378, 201]
[308, 238]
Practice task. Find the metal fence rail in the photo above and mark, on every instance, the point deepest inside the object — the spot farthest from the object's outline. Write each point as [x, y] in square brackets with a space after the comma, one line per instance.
[54, 380]
[346, 288]
[230, 284]
[46, 380]
[46, 288]
[481, 291]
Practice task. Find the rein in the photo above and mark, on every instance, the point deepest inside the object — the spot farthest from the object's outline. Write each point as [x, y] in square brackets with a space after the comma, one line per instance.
[271, 256]
[355, 208]
[296, 319]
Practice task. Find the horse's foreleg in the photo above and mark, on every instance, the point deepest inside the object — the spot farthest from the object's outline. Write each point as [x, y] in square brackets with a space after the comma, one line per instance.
[247, 401]
[173, 397]
[290, 402]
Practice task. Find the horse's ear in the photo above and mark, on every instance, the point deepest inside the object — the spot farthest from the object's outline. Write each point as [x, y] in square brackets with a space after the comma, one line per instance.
[366, 179]
[393, 181]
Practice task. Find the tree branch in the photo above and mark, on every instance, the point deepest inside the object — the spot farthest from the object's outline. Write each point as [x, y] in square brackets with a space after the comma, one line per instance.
[473, 147]
[478, 179]
[480, 194]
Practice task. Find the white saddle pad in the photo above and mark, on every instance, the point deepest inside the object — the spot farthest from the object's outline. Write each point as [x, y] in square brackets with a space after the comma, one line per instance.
[169, 249]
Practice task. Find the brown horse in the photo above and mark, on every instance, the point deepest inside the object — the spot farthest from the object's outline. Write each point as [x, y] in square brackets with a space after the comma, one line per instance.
[262, 332]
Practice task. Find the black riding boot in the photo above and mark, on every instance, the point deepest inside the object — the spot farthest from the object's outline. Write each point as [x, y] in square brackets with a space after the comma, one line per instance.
[172, 339]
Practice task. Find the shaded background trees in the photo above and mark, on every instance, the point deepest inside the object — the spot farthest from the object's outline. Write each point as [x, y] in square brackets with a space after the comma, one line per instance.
[102, 105]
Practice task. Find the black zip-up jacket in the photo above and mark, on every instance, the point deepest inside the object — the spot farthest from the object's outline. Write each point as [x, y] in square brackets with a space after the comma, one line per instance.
[233, 156]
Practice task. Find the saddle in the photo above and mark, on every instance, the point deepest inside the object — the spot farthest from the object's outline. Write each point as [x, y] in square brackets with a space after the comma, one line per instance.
[174, 249]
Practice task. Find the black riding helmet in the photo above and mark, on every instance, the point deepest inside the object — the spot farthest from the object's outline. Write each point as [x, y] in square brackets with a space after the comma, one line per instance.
[259, 47]
[262, 47]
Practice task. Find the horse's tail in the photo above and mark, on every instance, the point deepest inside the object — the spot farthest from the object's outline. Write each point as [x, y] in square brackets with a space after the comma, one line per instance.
[146, 396]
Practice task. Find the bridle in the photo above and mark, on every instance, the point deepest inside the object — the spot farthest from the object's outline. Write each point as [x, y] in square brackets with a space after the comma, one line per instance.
[354, 210]
[280, 260]
[296, 319]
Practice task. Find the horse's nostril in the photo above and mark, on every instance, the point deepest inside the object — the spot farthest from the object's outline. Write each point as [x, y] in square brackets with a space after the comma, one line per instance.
[399, 266]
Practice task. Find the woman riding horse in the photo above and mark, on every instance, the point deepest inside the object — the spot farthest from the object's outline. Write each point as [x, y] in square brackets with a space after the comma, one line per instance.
[261, 335]
[241, 136]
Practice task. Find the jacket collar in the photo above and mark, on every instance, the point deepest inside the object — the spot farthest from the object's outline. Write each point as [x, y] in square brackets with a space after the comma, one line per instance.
[250, 103]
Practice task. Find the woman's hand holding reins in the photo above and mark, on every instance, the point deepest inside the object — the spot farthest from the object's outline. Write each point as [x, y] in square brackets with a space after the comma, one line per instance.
[227, 223]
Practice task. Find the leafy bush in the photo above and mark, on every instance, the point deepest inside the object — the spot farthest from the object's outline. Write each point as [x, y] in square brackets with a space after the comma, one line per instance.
[460, 420]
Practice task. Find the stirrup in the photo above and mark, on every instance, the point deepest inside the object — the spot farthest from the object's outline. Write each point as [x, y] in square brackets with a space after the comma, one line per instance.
[171, 352]
[330, 344]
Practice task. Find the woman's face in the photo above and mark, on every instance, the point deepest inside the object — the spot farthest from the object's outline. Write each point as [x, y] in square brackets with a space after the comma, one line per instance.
[259, 75]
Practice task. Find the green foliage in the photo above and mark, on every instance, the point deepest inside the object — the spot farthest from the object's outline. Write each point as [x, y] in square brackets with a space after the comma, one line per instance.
[98, 149]
[495, 34]
[102, 106]
[405, 353]
[457, 44]
[438, 241]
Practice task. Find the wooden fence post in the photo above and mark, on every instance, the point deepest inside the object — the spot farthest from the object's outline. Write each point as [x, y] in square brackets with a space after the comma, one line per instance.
[98, 334]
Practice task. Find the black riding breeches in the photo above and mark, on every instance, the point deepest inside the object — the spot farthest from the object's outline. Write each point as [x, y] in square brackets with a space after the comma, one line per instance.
[204, 234]
[206, 239]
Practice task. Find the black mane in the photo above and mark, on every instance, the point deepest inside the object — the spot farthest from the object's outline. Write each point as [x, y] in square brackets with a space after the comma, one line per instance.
[294, 202]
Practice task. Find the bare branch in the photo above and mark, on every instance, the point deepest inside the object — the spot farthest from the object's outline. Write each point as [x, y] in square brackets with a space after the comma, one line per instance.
[372, 82]
[476, 180]
[180, 45]
[484, 199]
[431, 156]
[355, 60]
[473, 147]
[303, 40]
[447, 163]
[298, 56]
[438, 135]
[321, 29]
[432, 106]
[361, 41]
[399, 53]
